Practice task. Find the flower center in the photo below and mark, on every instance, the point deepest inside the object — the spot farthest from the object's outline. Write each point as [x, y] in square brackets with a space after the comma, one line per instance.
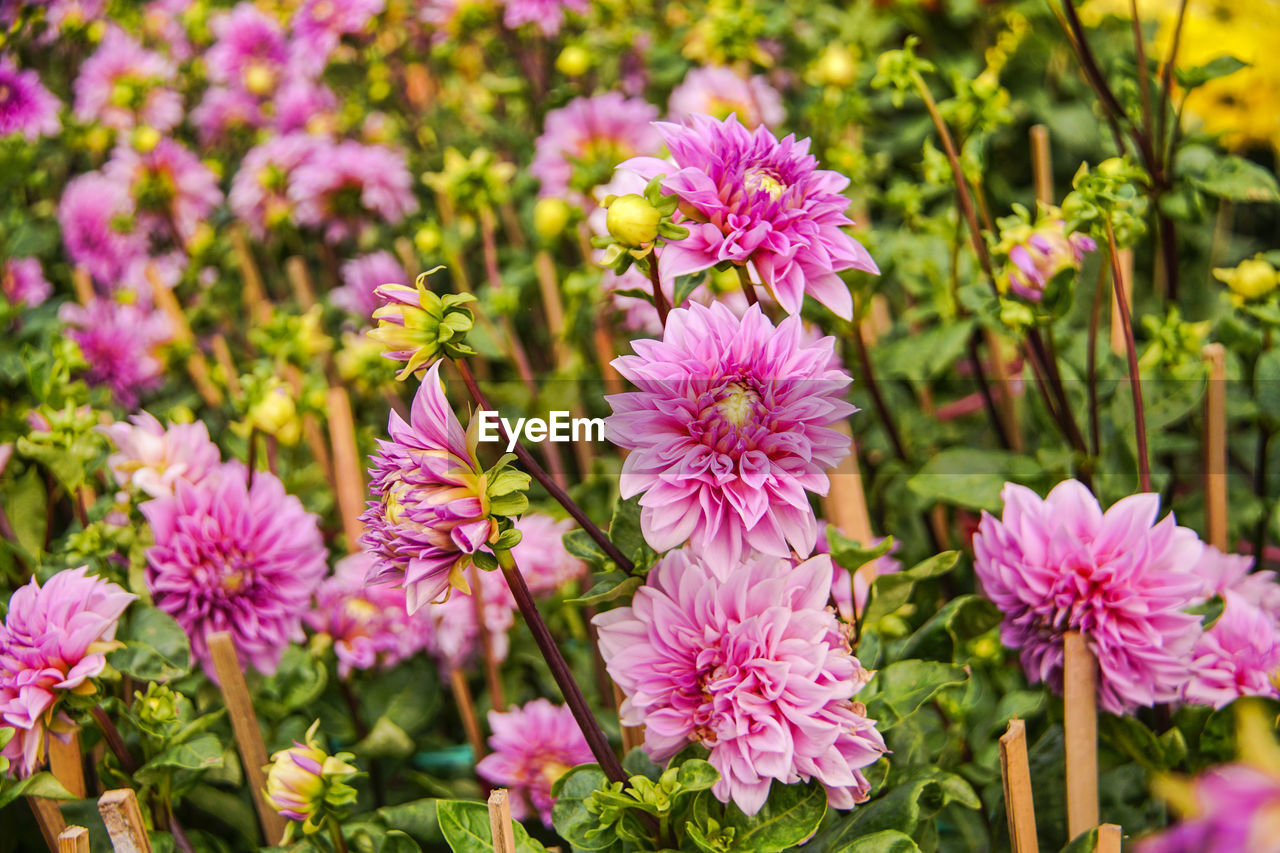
[361, 609]
[737, 404]
[765, 180]
[553, 770]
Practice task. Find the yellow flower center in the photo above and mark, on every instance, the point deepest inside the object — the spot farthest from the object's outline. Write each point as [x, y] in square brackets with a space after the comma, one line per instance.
[737, 403]
[766, 180]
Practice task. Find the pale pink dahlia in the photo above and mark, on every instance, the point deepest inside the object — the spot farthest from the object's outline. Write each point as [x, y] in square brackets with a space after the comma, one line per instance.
[1231, 572]
[223, 112]
[1239, 655]
[172, 191]
[541, 554]
[547, 14]
[250, 52]
[53, 640]
[756, 670]
[431, 511]
[304, 104]
[123, 85]
[22, 282]
[1236, 808]
[361, 276]
[750, 200]
[238, 558]
[26, 106]
[153, 459]
[318, 26]
[454, 637]
[721, 92]
[120, 343]
[533, 746]
[95, 215]
[730, 430]
[259, 194]
[1120, 578]
[583, 141]
[347, 185]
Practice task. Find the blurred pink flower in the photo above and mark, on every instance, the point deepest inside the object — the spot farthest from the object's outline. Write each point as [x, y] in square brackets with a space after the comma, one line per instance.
[1231, 572]
[756, 669]
[360, 276]
[346, 186]
[756, 202]
[730, 430]
[1236, 804]
[454, 636]
[22, 282]
[547, 14]
[172, 191]
[532, 746]
[123, 85]
[318, 25]
[721, 92]
[583, 141]
[153, 459]
[1120, 578]
[95, 214]
[53, 640]
[1036, 254]
[541, 554]
[302, 104]
[1239, 655]
[223, 112]
[237, 558]
[250, 51]
[259, 194]
[120, 343]
[26, 106]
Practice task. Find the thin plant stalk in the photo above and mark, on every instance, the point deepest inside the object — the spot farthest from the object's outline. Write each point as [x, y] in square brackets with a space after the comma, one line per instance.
[1091, 362]
[335, 835]
[1126, 320]
[659, 298]
[748, 287]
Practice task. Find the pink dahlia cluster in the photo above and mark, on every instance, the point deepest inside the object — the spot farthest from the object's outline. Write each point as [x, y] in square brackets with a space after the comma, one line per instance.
[548, 15]
[751, 200]
[250, 50]
[53, 640]
[120, 343]
[721, 92]
[123, 85]
[153, 459]
[1236, 808]
[541, 554]
[22, 282]
[583, 141]
[235, 557]
[730, 430]
[319, 25]
[533, 746]
[756, 669]
[95, 215]
[26, 106]
[344, 186]
[361, 276]
[171, 191]
[259, 194]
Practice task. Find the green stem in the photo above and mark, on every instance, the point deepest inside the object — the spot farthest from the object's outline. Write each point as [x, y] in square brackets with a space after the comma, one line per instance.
[335, 834]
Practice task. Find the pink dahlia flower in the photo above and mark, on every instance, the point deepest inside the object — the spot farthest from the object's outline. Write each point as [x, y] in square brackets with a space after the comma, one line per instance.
[347, 186]
[756, 670]
[361, 276]
[318, 26]
[541, 554]
[237, 558]
[22, 282]
[431, 512]
[1236, 805]
[1238, 656]
[53, 640]
[1224, 573]
[533, 746]
[583, 141]
[123, 85]
[153, 459]
[547, 14]
[369, 625]
[1120, 578]
[730, 430]
[173, 192]
[1036, 254]
[721, 92]
[454, 637]
[95, 214]
[750, 200]
[304, 104]
[259, 194]
[223, 112]
[120, 343]
[250, 52]
[26, 106]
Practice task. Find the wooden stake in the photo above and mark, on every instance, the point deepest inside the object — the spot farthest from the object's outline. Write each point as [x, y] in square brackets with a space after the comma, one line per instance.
[1042, 164]
[1215, 448]
[845, 505]
[605, 352]
[878, 321]
[197, 366]
[1007, 405]
[300, 280]
[1016, 773]
[67, 764]
[467, 710]
[504, 839]
[253, 752]
[83, 284]
[408, 258]
[1125, 257]
[123, 820]
[222, 355]
[255, 296]
[549, 287]
[74, 839]
[1080, 703]
[1109, 838]
[348, 476]
[49, 819]
[492, 670]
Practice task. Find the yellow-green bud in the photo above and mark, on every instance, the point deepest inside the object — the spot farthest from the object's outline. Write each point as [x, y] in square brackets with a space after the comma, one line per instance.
[145, 139]
[259, 79]
[306, 784]
[276, 414]
[1252, 279]
[551, 217]
[573, 61]
[836, 66]
[633, 221]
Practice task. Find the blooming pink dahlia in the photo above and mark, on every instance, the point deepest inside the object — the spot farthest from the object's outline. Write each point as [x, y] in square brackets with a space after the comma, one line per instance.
[722, 92]
[238, 558]
[1238, 656]
[318, 26]
[154, 459]
[250, 52]
[1231, 572]
[172, 191]
[259, 194]
[223, 112]
[53, 640]
[547, 14]
[431, 512]
[304, 104]
[22, 282]
[730, 429]
[583, 141]
[1236, 808]
[533, 746]
[95, 215]
[1120, 578]
[347, 185]
[26, 106]
[756, 670]
[123, 85]
[541, 555]
[361, 276]
[120, 343]
[750, 200]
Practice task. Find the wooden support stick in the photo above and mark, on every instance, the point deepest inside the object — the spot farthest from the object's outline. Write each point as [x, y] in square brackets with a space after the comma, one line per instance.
[123, 820]
[408, 257]
[67, 764]
[1215, 448]
[606, 353]
[348, 476]
[1018, 805]
[467, 710]
[197, 366]
[845, 505]
[1109, 838]
[504, 838]
[1007, 405]
[222, 355]
[74, 839]
[49, 818]
[1080, 703]
[552, 304]
[492, 669]
[255, 296]
[878, 321]
[1125, 257]
[83, 284]
[253, 752]
[1042, 164]
[300, 280]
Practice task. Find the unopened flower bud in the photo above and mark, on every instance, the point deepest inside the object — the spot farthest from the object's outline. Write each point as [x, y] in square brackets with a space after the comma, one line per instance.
[417, 327]
[306, 784]
[1252, 279]
[573, 61]
[551, 217]
[145, 139]
[633, 221]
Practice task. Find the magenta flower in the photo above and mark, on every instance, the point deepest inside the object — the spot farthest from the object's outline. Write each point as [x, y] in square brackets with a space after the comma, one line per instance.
[53, 640]
[318, 26]
[583, 141]
[22, 282]
[1036, 254]
[1236, 806]
[1224, 573]
[173, 192]
[123, 85]
[547, 14]
[223, 112]
[347, 186]
[1238, 656]
[454, 638]
[259, 194]
[750, 200]
[1120, 578]
[721, 92]
[153, 459]
[541, 554]
[250, 52]
[120, 342]
[26, 106]
[95, 214]
[431, 512]
[237, 558]
[533, 746]
[304, 104]
[756, 670]
[730, 430]
[361, 276]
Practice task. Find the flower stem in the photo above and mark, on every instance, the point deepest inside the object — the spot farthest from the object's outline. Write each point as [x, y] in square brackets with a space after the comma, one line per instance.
[659, 298]
[1135, 383]
[748, 288]
[873, 388]
[560, 671]
[335, 835]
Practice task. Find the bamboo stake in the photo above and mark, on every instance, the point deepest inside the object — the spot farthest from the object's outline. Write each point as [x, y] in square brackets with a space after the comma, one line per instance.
[253, 752]
[1042, 164]
[878, 321]
[348, 476]
[49, 818]
[74, 839]
[83, 284]
[467, 710]
[1215, 448]
[504, 839]
[1125, 257]
[197, 366]
[605, 352]
[1109, 838]
[549, 287]
[295, 268]
[1016, 773]
[255, 295]
[67, 764]
[123, 820]
[845, 504]
[1080, 702]
[222, 355]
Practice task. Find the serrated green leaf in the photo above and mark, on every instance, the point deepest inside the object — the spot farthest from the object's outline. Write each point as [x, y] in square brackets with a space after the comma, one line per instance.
[697, 775]
[889, 592]
[38, 785]
[685, 285]
[202, 752]
[1235, 178]
[972, 478]
[884, 841]
[569, 814]
[898, 690]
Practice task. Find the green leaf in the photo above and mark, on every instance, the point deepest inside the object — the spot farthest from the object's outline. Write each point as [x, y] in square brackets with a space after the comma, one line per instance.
[609, 586]
[898, 690]
[27, 505]
[466, 828]
[400, 842]
[1266, 383]
[416, 817]
[791, 814]
[971, 478]
[697, 775]
[889, 592]
[156, 647]
[1085, 842]
[580, 544]
[624, 528]
[959, 620]
[575, 824]
[927, 355]
[385, 740]
[686, 284]
[903, 806]
[39, 785]
[853, 555]
[1235, 178]
[298, 681]
[1191, 78]
[884, 841]
[200, 753]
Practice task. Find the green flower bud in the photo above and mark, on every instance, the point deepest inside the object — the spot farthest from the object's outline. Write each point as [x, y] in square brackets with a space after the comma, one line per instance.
[1251, 279]
[307, 785]
[551, 217]
[633, 221]
[574, 61]
[417, 327]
